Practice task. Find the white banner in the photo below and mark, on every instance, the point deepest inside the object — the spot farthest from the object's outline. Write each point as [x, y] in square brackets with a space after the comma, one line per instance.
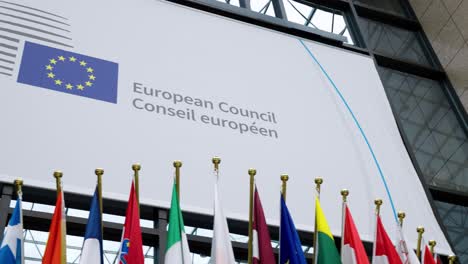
[111, 82]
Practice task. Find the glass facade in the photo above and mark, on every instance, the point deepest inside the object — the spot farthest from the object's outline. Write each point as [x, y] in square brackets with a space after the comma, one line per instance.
[428, 119]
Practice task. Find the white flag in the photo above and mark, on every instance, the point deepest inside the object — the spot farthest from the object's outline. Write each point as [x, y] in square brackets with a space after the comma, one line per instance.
[221, 247]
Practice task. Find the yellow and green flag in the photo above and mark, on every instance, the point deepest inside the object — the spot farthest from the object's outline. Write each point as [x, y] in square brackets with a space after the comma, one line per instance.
[325, 244]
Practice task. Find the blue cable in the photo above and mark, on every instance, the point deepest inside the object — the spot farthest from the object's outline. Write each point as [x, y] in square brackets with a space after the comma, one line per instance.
[377, 164]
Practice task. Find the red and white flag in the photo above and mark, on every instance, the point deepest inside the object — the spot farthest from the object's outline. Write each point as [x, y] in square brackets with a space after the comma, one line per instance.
[261, 242]
[427, 257]
[437, 259]
[384, 250]
[407, 254]
[131, 247]
[352, 249]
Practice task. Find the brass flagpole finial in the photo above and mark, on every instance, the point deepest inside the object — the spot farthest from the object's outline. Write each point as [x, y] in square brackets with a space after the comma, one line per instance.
[284, 179]
[136, 169]
[177, 164]
[432, 244]
[252, 172]
[19, 184]
[378, 203]
[99, 172]
[401, 217]
[420, 231]
[216, 161]
[58, 179]
[318, 182]
[345, 194]
[452, 259]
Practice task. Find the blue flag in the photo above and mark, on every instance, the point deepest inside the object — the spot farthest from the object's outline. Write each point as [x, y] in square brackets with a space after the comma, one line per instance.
[11, 249]
[92, 251]
[68, 72]
[290, 245]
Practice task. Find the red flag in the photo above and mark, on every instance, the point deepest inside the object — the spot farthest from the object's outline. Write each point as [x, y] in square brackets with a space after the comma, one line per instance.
[352, 251]
[427, 257]
[437, 259]
[384, 250]
[131, 249]
[55, 252]
[261, 242]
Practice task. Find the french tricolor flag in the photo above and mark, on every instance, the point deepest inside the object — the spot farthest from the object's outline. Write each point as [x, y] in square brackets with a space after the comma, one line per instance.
[92, 246]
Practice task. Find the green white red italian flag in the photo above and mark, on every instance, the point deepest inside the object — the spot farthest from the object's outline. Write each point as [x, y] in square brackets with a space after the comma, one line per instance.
[177, 250]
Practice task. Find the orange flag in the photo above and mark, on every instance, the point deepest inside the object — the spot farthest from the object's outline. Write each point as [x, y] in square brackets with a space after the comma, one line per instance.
[55, 252]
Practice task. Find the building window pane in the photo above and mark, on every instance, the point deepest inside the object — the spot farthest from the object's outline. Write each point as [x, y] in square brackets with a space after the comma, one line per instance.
[388, 6]
[436, 138]
[393, 41]
[455, 219]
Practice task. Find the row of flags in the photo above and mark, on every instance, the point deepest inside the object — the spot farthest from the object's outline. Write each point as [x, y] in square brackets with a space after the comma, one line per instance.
[177, 247]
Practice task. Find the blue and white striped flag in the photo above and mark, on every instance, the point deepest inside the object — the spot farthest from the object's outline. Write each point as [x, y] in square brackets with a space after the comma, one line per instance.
[92, 246]
[12, 247]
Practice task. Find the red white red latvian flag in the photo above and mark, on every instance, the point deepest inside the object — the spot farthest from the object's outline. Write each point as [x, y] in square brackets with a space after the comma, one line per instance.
[261, 242]
[427, 257]
[352, 249]
[384, 250]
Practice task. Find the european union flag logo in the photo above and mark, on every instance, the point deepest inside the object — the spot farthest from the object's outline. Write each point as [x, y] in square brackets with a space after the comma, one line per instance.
[69, 72]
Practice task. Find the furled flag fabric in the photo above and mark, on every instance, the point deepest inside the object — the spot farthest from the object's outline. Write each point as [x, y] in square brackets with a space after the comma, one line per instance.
[221, 247]
[427, 257]
[11, 248]
[261, 242]
[352, 251]
[55, 252]
[92, 251]
[407, 254]
[384, 250]
[437, 259]
[325, 247]
[177, 249]
[131, 247]
[290, 245]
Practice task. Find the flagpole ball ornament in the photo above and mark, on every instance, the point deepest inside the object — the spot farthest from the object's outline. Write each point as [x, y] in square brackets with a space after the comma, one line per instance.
[99, 171]
[284, 177]
[420, 229]
[177, 163]
[216, 161]
[318, 181]
[401, 215]
[378, 203]
[344, 193]
[18, 183]
[58, 174]
[136, 167]
[452, 259]
[432, 243]
[252, 172]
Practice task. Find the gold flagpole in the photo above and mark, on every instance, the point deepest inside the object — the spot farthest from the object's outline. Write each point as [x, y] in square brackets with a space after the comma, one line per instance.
[58, 180]
[420, 231]
[432, 244]
[401, 217]
[318, 182]
[252, 173]
[344, 195]
[452, 259]
[177, 164]
[136, 168]
[216, 161]
[284, 179]
[378, 203]
[99, 172]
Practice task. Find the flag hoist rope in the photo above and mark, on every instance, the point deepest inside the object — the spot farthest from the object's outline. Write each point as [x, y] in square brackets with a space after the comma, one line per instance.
[361, 130]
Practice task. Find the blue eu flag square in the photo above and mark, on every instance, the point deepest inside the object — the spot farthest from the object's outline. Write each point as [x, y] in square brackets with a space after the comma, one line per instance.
[69, 72]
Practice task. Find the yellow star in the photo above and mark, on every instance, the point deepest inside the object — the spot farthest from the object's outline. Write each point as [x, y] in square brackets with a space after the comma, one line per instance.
[92, 77]
[72, 59]
[90, 69]
[88, 83]
[51, 75]
[53, 61]
[58, 82]
[83, 63]
[61, 58]
[80, 87]
[69, 86]
[49, 67]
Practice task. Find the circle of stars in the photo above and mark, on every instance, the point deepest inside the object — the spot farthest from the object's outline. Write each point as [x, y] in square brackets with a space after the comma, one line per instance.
[70, 86]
